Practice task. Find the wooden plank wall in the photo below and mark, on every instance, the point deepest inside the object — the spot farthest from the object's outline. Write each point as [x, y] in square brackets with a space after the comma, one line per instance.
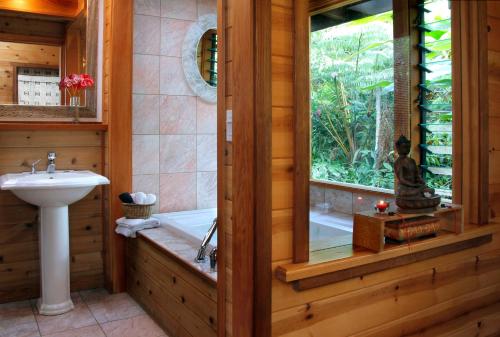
[182, 302]
[19, 261]
[225, 170]
[458, 292]
[17, 54]
[494, 106]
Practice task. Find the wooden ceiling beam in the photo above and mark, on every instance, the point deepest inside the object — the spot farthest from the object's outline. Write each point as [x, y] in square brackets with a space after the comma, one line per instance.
[57, 8]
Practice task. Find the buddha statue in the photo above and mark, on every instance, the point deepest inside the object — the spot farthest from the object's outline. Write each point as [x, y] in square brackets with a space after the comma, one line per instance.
[412, 193]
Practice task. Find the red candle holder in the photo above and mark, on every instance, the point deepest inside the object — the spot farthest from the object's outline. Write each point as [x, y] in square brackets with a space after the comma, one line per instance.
[381, 206]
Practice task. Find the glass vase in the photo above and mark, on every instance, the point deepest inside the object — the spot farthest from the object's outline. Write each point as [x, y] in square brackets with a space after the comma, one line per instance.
[74, 103]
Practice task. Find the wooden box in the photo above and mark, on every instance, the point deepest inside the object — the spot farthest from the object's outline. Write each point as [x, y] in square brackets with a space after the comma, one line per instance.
[369, 226]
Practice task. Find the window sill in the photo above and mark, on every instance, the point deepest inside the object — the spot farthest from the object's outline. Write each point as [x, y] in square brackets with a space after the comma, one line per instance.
[342, 263]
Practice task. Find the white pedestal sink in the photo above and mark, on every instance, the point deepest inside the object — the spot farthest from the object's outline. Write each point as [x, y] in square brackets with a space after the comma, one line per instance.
[53, 192]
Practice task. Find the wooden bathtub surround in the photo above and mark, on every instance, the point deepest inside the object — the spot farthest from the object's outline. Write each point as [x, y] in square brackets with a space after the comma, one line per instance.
[19, 262]
[182, 301]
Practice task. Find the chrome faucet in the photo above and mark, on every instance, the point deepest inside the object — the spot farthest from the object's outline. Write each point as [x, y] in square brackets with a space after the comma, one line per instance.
[51, 168]
[33, 166]
[200, 257]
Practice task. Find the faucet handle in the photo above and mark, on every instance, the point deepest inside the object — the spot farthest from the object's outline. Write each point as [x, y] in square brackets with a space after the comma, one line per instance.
[51, 156]
[33, 166]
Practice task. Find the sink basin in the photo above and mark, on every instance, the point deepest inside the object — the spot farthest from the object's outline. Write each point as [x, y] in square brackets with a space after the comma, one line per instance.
[61, 188]
[53, 192]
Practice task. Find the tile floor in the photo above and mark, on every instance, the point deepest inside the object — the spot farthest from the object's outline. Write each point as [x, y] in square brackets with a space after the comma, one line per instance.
[96, 314]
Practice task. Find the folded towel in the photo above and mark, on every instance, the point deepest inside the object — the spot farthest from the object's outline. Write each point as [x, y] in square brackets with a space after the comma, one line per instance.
[129, 227]
[140, 198]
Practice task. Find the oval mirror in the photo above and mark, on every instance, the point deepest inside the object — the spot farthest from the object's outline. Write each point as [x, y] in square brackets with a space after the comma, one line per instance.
[207, 57]
[199, 57]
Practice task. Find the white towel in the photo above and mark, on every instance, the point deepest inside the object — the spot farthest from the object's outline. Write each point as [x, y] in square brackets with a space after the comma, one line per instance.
[129, 227]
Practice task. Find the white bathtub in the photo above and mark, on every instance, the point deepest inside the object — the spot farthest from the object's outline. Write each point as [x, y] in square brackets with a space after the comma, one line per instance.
[191, 224]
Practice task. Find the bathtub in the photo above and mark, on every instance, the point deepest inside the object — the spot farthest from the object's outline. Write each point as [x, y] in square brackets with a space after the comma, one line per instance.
[193, 225]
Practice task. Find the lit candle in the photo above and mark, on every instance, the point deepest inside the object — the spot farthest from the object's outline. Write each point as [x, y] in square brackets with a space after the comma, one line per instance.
[382, 206]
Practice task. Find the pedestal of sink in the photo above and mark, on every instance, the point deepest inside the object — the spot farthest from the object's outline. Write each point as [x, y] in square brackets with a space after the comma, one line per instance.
[52, 193]
[54, 261]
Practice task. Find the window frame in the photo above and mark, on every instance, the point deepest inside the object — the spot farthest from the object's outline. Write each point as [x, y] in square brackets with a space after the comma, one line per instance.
[409, 116]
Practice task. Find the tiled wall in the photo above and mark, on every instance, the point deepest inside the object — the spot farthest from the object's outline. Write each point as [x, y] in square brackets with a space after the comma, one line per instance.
[337, 200]
[174, 132]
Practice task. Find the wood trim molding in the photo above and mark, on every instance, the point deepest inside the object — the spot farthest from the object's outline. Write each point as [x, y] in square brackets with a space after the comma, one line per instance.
[53, 126]
[318, 6]
[473, 58]
[57, 8]
[302, 163]
[322, 262]
[359, 271]
[119, 133]
[222, 223]
[263, 171]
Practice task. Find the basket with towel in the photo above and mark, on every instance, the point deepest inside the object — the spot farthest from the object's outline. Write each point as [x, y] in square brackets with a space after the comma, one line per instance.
[137, 209]
[137, 205]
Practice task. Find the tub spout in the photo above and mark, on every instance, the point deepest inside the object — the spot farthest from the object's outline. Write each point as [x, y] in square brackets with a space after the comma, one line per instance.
[200, 257]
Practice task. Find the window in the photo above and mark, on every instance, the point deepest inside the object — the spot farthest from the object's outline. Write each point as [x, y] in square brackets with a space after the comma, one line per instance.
[38, 86]
[435, 98]
[352, 95]
[357, 66]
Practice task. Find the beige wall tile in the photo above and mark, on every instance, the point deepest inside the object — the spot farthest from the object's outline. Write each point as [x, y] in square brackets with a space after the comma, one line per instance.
[177, 153]
[179, 9]
[146, 114]
[207, 7]
[178, 115]
[146, 74]
[172, 79]
[206, 190]
[206, 149]
[146, 34]
[177, 192]
[145, 154]
[147, 7]
[173, 32]
[206, 117]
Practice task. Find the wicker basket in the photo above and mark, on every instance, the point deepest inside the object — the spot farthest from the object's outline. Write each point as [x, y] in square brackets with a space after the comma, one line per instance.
[134, 211]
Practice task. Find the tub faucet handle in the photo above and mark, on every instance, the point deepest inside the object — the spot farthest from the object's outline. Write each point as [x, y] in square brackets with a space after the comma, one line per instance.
[213, 259]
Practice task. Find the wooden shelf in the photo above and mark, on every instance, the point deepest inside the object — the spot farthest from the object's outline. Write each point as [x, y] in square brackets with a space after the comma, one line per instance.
[13, 126]
[341, 263]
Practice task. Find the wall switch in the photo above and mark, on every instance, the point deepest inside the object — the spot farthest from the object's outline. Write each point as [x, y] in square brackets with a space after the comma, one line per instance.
[229, 125]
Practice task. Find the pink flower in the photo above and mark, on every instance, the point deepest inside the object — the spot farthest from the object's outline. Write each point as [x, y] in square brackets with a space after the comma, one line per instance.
[75, 82]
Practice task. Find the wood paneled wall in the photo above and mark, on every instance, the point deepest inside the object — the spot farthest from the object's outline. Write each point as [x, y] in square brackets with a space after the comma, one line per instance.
[459, 292]
[19, 260]
[494, 105]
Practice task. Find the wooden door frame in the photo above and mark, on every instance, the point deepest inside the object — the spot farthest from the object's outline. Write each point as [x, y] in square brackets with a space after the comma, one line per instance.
[251, 157]
[117, 112]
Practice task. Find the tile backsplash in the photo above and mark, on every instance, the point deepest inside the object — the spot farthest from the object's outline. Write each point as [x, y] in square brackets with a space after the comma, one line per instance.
[174, 131]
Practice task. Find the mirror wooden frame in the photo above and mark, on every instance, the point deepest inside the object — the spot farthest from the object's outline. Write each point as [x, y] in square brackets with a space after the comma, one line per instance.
[90, 110]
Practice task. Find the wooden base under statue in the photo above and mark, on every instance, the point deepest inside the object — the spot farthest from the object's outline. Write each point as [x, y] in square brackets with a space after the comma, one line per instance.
[418, 206]
[369, 227]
